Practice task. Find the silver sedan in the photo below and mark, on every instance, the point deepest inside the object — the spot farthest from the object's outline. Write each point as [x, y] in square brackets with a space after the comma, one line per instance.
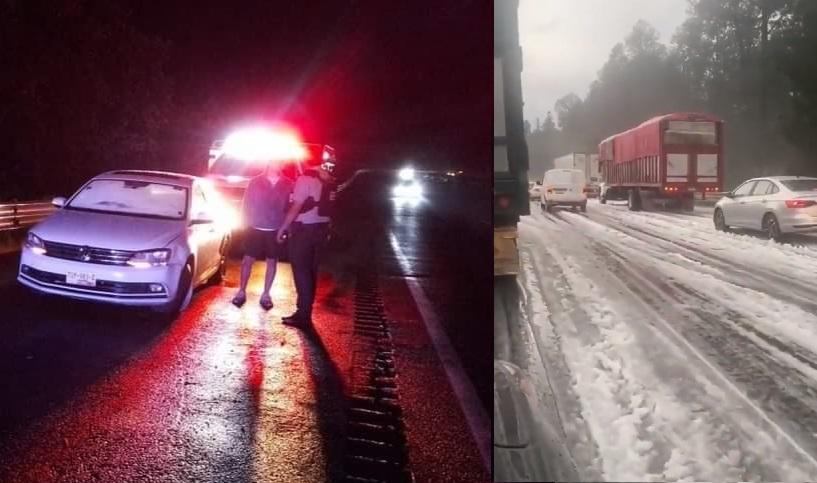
[775, 205]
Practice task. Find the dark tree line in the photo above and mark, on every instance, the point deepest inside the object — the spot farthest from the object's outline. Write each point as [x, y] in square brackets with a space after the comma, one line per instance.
[80, 89]
[93, 85]
[751, 62]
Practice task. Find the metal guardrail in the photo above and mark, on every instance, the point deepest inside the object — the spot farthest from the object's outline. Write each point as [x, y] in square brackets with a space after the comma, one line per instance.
[21, 215]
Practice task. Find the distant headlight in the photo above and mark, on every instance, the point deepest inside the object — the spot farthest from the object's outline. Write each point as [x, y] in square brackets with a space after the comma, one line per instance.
[413, 190]
[35, 243]
[150, 258]
[406, 174]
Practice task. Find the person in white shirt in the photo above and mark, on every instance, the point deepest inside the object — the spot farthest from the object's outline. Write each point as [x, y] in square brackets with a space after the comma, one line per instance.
[309, 215]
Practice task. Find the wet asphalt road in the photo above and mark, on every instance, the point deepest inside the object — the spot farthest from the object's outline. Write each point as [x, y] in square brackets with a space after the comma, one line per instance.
[99, 393]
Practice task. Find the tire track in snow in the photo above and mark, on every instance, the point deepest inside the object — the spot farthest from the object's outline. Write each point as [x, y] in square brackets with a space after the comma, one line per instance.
[679, 441]
[755, 278]
[548, 354]
[696, 229]
[781, 392]
[665, 300]
[791, 346]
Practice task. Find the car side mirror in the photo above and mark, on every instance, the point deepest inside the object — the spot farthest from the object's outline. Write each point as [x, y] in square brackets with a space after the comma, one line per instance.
[59, 201]
[729, 194]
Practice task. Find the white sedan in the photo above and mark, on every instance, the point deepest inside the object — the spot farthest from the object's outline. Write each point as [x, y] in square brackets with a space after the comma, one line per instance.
[140, 238]
[776, 205]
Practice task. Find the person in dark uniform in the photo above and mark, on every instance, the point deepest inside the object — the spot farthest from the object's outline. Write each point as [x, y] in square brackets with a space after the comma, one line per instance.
[264, 207]
[309, 215]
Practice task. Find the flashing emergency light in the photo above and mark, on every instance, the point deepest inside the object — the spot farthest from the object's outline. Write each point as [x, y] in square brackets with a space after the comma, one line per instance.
[264, 144]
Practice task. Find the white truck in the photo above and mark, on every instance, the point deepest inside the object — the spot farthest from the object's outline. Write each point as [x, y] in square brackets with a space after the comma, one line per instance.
[588, 164]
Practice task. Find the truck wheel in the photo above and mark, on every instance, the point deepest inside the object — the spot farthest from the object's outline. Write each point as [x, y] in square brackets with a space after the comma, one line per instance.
[634, 201]
[584, 207]
[602, 199]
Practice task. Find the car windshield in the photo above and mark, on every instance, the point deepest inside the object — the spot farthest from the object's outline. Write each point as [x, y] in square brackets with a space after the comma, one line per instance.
[801, 184]
[128, 197]
[563, 176]
[229, 166]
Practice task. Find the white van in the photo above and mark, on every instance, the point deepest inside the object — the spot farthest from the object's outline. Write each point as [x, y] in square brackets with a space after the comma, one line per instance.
[564, 187]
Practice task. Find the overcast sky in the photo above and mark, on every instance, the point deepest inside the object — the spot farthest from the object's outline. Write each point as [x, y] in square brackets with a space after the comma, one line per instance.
[565, 42]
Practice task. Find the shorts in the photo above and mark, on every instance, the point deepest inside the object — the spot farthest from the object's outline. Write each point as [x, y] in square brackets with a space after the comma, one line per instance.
[261, 244]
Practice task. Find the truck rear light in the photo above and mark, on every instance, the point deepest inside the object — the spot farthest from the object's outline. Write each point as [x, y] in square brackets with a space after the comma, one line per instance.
[503, 202]
[800, 203]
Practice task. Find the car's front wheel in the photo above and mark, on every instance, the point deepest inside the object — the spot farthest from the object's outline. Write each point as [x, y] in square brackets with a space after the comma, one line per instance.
[720, 220]
[184, 292]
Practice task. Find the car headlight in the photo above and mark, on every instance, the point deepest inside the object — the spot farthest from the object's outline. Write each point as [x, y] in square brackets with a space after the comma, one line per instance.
[35, 243]
[150, 258]
[413, 190]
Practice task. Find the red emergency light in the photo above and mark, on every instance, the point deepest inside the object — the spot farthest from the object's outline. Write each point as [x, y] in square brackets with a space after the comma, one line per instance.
[264, 143]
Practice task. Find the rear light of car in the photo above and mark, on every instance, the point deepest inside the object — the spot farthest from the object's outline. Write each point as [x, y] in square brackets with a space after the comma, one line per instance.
[800, 203]
[550, 191]
[503, 202]
[586, 190]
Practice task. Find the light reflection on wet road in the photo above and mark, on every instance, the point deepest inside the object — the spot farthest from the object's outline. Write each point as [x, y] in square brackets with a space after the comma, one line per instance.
[96, 393]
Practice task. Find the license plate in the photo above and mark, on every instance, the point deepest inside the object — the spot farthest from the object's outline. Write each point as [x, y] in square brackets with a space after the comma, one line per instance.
[80, 278]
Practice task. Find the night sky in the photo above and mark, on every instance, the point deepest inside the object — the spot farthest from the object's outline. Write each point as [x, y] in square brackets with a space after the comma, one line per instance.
[92, 85]
[382, 81]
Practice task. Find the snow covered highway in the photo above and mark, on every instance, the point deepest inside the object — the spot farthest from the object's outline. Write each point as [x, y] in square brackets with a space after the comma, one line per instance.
[668, 350]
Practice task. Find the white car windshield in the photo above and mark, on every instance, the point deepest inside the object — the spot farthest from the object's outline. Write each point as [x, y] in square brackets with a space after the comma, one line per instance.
[226, 165]
[128, 197]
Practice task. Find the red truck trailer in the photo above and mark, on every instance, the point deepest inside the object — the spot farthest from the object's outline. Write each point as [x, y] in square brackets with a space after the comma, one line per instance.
[663, 161]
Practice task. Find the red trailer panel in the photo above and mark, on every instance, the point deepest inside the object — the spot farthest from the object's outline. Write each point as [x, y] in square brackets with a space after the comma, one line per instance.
[669, 156]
